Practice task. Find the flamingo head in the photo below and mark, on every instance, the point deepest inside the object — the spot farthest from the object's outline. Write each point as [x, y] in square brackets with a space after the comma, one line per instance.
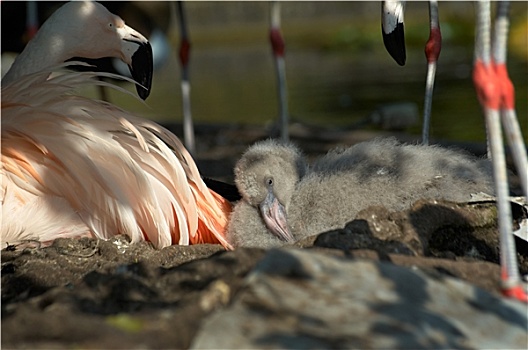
[99, 33]
[87, 29]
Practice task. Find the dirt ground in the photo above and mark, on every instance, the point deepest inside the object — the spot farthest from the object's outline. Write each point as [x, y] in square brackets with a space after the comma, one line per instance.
[112, 294]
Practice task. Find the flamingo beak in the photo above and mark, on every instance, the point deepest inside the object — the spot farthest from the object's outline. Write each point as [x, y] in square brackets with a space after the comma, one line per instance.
[274, 215]
[137, 54]
[393, 29]
[142, 68]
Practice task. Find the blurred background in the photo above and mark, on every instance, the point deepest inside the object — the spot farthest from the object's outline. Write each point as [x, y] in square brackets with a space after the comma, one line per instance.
[338, 72]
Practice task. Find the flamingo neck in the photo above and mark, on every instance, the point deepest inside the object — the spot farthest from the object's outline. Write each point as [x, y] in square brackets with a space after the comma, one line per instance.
[42, 52]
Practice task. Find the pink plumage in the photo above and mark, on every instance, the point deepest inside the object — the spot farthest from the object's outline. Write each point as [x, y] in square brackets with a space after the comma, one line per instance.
[74, 166]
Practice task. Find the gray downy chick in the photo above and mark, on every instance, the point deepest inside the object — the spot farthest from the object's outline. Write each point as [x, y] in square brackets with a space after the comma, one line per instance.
[283, 200]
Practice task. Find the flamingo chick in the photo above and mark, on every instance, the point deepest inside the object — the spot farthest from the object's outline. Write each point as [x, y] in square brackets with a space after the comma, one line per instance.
[283, 200]
[73, 166]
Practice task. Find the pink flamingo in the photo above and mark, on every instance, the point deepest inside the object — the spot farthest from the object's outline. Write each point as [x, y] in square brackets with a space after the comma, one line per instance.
[73, 166]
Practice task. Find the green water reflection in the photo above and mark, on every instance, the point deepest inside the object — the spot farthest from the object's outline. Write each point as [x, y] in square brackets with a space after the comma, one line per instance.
[337, 71]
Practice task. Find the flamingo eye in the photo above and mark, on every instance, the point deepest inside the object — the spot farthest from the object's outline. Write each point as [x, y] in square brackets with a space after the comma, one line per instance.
[269, 181]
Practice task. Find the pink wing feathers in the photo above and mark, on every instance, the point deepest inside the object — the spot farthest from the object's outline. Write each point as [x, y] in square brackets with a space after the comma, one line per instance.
[74, 166]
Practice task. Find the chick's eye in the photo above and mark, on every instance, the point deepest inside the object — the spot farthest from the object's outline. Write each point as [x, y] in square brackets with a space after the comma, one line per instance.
[269, 181]
[110, 25]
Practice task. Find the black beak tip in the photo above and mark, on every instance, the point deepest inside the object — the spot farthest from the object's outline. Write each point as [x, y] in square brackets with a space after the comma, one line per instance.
[142, 68]
[395, 44]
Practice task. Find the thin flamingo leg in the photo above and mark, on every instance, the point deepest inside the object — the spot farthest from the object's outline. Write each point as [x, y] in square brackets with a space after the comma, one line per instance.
[507, 93]
[277, 44]
[184, 53]
[432, 52]
[493, 92]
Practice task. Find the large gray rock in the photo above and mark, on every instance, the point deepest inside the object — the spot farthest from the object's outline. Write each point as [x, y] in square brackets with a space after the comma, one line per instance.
[301, 299]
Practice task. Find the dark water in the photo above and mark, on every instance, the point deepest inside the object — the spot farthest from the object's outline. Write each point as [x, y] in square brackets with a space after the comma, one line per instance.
[331, 89]
[338, 71]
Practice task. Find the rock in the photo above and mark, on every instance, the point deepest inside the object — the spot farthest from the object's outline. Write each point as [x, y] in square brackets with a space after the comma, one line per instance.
[300, 299]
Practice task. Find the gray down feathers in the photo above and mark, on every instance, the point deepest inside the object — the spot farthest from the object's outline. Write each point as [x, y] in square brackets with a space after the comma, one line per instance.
[337, 186]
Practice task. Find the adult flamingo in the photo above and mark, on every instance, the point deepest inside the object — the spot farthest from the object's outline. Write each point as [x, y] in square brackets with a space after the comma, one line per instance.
[74, 166]
[496, 95]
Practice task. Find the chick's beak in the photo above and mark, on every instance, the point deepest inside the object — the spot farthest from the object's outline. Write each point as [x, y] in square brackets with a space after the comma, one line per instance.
[274, 215]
